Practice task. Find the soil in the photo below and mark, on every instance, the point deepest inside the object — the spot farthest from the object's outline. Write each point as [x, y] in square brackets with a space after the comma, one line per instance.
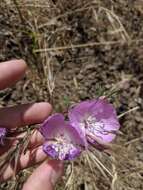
[80, 73]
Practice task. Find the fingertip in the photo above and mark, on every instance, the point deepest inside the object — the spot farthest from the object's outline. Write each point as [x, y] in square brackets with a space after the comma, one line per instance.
[37, 112]
[22, 64]
[25, 114]
[11, 71]
[46, 107]
[18, 64]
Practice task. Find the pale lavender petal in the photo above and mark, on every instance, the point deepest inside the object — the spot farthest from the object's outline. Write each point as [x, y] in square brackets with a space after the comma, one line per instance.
[73, 133]
[77, 112]
[77, 115]
[52, 125]
[101, 108]
[55, 125]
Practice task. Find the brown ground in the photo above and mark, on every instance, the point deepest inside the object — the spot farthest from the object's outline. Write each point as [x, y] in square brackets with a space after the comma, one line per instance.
[106, 54]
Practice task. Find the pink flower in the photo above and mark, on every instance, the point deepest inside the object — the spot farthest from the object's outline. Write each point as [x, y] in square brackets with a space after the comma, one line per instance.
[97, 120]
[63, 141]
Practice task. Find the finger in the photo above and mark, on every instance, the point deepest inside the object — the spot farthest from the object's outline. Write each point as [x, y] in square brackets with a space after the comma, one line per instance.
[35, 140]
[28, 159]
[24, 114]
[45, 176]
[10, 72]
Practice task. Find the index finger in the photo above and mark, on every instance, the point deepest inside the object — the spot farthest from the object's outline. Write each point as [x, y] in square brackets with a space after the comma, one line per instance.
[10, 72]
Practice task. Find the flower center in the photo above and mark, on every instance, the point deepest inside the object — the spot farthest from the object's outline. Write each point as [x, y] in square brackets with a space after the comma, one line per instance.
[62, 146]
[93, 126]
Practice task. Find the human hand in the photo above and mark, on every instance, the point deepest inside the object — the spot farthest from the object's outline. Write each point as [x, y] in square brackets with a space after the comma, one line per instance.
[45, 176]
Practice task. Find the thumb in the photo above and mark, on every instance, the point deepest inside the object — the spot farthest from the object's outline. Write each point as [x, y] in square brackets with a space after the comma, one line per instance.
[45, 176]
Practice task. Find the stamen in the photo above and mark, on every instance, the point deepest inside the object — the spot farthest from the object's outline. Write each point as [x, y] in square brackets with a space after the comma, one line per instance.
[62, 146]
[93, 126]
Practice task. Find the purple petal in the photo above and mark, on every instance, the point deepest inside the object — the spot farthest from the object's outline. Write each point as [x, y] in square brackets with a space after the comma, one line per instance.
[50, 149]
[3, 132]
[55, 125]
[76, 113]
[61, 151]
[51, 126]
[101, 108]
